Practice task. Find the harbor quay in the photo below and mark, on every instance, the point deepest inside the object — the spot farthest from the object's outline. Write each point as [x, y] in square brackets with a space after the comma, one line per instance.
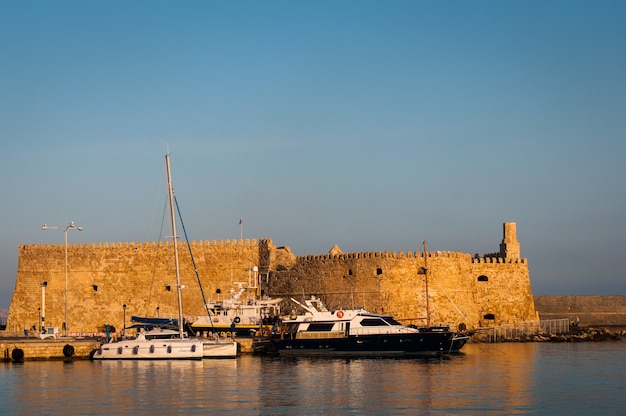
[18, 349]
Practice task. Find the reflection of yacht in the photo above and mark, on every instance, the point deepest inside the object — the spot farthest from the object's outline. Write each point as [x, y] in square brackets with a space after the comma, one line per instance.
[244, 310]
[355, 332]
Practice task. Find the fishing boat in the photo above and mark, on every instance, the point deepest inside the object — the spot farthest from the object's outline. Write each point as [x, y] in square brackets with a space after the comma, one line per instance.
[354, 332]
[159, 342]
[243, 315]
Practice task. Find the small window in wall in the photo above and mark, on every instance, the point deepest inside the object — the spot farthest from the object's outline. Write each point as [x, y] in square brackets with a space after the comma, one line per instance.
[95, 288]
[379, 271]
[483, 278]
[168, 288]
[350, 272]
[489, 317]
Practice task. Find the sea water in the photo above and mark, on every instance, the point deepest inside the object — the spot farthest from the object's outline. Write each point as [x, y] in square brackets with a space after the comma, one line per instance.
[486, 379]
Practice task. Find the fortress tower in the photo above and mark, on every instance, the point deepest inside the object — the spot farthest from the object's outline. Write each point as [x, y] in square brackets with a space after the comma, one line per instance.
[509, 248]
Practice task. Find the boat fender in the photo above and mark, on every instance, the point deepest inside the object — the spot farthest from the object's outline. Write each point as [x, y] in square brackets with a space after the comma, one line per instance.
[68, 350]
[339, 314]
[237, 319]
[152, 348]
[169, 348]
[216, 319]
[18, 355]
[193, 348]
[223, 334]
[136, 349]
[119, 350]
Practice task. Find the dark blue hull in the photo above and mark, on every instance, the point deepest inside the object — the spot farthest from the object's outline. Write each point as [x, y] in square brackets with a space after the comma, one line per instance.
[382, 345]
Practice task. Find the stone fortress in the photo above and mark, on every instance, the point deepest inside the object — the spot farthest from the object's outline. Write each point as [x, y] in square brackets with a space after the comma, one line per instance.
[108, 283]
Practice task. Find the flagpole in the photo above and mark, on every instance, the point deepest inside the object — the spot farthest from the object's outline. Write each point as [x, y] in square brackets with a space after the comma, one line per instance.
[241, 228]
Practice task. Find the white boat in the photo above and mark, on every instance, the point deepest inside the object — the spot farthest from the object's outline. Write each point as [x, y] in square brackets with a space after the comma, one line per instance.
[166, 344]
[155, 344]
[219, 348]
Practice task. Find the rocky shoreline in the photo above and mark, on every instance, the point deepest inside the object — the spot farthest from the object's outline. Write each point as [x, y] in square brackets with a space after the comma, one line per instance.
[581, 334]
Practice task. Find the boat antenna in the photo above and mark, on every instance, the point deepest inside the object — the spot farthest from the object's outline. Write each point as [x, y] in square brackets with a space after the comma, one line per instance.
[173, 217]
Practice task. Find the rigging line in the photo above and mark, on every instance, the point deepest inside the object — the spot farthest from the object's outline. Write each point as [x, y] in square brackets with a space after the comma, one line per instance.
[446, 295]
[155, 254]
[193, 261]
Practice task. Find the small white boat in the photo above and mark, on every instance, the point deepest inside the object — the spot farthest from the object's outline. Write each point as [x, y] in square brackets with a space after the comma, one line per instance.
[215, 348]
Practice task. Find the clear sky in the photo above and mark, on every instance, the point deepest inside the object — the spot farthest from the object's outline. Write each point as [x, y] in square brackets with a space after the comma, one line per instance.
[374, 125]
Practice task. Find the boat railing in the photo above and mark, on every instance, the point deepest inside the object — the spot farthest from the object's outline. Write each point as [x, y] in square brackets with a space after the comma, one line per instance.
[375, 330]
[320, 334]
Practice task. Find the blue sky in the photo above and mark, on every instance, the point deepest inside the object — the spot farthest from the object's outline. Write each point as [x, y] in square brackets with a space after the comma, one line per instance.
[370, 124]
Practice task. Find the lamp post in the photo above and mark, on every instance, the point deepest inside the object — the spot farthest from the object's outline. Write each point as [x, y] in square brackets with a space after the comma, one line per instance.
[124, 329]
[42, 315]
[65, 230]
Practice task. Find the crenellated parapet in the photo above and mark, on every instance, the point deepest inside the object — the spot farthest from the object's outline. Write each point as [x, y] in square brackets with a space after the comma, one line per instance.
[144, 244]
[383, 254]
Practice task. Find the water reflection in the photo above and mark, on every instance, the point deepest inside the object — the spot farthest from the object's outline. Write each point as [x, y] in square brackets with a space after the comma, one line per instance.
[486, 379]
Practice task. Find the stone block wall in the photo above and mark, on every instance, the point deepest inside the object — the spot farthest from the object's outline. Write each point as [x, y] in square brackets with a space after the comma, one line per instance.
[590, 310]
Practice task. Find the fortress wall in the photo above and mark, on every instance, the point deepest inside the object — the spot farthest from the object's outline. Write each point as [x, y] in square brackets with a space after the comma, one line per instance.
[396, 284]
[103, 277]
[478, 291]
[591, 310]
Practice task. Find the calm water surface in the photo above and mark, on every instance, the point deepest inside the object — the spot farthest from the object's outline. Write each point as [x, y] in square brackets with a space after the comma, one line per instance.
[487, 379]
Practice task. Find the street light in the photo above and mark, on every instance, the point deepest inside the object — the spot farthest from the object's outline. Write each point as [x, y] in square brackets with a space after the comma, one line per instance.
[124, 329]
[42, 310]
[71, 226]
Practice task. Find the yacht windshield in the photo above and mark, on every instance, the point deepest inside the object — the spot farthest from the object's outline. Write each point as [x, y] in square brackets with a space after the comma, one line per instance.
[391, 321]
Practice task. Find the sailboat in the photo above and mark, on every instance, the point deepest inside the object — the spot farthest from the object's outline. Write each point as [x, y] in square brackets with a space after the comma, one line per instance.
[158, 343]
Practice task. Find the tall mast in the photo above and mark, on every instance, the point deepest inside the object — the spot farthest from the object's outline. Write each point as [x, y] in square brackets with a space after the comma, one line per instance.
[174, 238]
[426, 281]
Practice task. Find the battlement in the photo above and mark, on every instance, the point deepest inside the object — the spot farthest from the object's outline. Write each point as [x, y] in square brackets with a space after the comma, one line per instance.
[145, 244]
[383, 254]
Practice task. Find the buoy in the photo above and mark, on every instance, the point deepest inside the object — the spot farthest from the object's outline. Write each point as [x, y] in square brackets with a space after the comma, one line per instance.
[68, 350]
[339, 314]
